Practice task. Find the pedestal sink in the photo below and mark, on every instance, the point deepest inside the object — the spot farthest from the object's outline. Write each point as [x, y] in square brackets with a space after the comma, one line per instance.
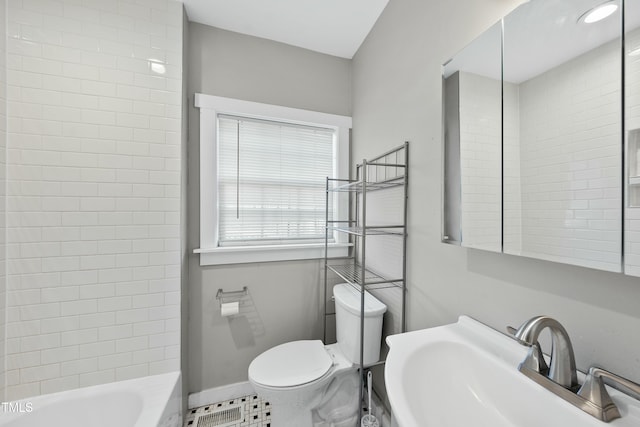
[466, 374]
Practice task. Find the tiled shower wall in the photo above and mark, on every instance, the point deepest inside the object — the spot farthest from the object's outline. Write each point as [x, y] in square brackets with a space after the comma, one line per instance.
[632, 116]
[93, 214]
[480, 156]
[3, 206]
[570, 139]
[480, 159]
[512, 196]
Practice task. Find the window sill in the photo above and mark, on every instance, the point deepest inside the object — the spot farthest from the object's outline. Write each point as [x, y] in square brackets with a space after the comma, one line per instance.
[249, 254]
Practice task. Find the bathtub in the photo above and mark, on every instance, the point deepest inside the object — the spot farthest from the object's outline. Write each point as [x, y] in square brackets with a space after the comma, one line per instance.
[153, 401]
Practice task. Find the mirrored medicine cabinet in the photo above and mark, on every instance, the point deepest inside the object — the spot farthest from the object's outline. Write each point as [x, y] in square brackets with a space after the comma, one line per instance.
[541, 119]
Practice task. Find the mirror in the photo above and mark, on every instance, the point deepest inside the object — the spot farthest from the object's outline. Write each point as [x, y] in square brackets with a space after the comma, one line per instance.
[562, 78]
[473, 144]
[551, 188]
[632, 140]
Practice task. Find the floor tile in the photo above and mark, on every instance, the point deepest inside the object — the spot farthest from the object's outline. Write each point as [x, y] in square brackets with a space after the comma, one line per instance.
[245, 411]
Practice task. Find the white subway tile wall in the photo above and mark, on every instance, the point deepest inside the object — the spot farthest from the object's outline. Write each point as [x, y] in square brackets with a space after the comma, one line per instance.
[512, 195]
[480, 160]
[94, 98]
[3, 205]
[632, 116]
[570, 153]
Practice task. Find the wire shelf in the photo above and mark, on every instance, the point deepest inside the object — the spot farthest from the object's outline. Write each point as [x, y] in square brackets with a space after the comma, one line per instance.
[393, 230]
[352, 273]
[359, 186]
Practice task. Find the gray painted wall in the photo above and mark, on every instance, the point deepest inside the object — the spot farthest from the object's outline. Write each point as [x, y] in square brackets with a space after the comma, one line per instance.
[397, 96]
[235, 65]
[284, 301]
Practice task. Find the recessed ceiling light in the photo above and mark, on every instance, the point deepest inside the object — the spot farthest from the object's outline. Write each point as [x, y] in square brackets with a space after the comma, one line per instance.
[598, 13]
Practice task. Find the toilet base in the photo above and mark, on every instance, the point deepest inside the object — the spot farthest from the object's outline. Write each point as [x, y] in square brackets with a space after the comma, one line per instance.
[330, 401]
[333, 404]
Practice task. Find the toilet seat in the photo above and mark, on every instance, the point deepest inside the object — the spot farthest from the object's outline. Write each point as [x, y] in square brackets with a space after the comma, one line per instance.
[291, 364]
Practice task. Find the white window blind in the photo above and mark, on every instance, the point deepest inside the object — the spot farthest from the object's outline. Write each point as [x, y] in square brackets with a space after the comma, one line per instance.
[271, 181]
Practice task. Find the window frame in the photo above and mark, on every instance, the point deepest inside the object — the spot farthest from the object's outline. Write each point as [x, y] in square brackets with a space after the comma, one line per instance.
[209, 251]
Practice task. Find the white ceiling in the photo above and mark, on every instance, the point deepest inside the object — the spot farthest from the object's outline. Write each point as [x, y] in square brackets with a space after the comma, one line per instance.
[334, 27]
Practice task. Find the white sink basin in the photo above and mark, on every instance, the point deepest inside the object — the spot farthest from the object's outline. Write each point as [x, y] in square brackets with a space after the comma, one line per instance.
[466, 374]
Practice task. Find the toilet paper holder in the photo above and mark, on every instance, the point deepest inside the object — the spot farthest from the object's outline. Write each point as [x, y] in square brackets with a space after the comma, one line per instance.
[231, 296]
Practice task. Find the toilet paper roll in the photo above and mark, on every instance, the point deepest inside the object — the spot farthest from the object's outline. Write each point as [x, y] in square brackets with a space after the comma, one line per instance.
[229, 308]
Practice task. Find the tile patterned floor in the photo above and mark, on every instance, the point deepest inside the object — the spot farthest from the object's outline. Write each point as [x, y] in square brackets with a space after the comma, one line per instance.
[246, 411]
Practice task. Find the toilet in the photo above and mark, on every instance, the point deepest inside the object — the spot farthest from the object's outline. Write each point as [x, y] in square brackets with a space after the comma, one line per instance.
[309, 384]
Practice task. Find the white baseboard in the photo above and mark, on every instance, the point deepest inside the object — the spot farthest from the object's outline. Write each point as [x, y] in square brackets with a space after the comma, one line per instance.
[219, 394]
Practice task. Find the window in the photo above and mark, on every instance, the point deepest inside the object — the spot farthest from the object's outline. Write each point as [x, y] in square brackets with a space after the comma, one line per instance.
[262, 181]
[271, 186]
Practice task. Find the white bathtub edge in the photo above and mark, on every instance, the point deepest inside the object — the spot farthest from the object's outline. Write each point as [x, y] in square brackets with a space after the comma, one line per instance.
[159, 394]
[172, 414]
[219, 394]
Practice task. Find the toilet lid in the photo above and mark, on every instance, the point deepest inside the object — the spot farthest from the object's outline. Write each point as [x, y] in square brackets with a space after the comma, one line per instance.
[291, 364]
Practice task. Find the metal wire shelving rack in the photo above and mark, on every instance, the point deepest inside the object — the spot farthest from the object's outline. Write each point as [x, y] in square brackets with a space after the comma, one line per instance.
[384, 172]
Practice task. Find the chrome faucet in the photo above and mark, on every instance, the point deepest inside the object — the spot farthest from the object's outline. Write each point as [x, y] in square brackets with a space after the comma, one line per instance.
[561, 376]
[562, 366]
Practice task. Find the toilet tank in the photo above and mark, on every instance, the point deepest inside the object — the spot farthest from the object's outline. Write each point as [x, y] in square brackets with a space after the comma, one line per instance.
[348, 307]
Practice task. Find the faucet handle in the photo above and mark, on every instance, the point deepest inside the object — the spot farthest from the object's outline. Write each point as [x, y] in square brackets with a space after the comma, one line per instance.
[594, 391]
[537, 358]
